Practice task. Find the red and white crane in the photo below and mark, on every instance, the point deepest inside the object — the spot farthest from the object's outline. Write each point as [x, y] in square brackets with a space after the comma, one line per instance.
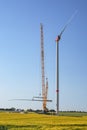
[44, 85]
[43, 97]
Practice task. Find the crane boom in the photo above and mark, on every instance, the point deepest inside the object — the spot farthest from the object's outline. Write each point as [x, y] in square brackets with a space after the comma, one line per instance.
[42, 62]
[44, 85]
[42, 68]
[43, 97]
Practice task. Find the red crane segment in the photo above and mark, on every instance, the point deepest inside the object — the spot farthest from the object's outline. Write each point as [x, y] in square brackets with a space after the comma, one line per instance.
[44, 86]
[43, 97]
[42, 62]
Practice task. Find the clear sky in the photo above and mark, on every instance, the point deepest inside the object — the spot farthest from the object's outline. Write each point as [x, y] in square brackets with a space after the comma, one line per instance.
[20, 65]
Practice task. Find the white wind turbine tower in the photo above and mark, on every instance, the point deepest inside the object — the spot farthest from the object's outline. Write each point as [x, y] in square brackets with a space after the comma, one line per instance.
[57, 62]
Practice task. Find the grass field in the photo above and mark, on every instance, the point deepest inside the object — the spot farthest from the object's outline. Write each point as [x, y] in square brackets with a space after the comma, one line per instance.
[33, 121]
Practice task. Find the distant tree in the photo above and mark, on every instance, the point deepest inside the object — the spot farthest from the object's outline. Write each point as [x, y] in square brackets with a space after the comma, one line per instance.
[52, 110]
[12, 109]
[30, 110]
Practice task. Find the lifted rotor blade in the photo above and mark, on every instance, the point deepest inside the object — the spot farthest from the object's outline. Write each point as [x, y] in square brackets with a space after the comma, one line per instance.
[29, 100]
[21, 100]
[37, 97]
[42, 100]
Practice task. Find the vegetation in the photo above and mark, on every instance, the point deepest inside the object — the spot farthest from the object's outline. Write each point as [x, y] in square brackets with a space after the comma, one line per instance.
[34, 121]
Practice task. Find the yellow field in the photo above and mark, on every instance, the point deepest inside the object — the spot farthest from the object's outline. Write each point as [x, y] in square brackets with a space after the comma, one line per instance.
[32, 121]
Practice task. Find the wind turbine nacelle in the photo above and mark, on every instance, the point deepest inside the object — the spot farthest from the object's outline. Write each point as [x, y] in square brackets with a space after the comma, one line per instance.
[58, 38]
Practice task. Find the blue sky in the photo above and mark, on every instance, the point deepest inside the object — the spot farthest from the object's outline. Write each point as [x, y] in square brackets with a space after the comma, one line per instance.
[20, 67]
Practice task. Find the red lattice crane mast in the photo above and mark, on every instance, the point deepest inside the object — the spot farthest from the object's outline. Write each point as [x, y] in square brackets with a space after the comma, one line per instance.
[43, 97]
[44, 86]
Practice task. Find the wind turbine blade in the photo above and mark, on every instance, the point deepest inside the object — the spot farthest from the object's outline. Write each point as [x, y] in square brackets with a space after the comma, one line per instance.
[37, 97]
[42, 100]
[69, 21]
[21, 100]
[29, 100]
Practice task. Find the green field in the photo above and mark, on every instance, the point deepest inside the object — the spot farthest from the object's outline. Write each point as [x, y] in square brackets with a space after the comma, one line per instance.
[33, 121]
